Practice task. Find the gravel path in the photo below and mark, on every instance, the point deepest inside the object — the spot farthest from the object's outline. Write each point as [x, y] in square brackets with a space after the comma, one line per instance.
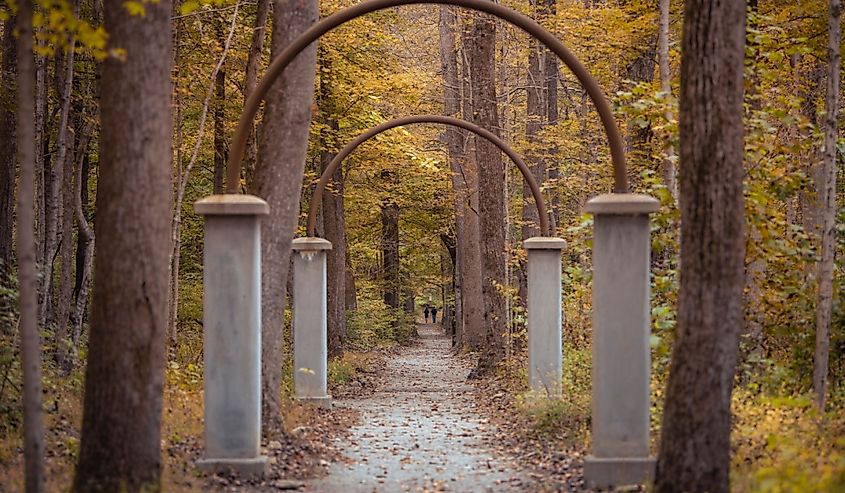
[420, 431]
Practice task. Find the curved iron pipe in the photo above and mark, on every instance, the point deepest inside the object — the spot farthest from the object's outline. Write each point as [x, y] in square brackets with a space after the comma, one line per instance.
[617, 149]
[316, 199]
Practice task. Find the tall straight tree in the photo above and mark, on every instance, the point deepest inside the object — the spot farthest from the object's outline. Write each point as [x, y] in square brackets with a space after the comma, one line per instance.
[121, 424]
[695, 438]
[827, 200]
[282, 144]
[7, 144]
[491, 183]
[33, 441]
[455, 147]
[334, 221]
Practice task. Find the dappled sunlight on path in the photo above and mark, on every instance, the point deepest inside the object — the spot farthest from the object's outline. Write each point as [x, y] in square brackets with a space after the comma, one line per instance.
[420, 430]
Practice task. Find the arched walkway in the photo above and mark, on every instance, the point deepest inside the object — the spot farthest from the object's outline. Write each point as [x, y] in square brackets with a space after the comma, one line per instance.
[446, 120]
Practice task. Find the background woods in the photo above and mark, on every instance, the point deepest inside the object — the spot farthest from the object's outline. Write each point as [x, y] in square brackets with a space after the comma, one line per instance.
[423, 215]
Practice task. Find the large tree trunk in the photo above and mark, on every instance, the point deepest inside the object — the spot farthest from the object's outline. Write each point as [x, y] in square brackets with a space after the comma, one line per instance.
[695, 438]
[471, 289]
[121, 427]
[278, 180]
[33, 442]
[491, 182]
[7, 147]
[824, 303]
[334, 223]
[454, 139]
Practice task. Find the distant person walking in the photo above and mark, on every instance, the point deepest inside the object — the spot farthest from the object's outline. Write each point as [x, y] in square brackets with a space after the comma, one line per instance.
[426, 311]
[434, 314]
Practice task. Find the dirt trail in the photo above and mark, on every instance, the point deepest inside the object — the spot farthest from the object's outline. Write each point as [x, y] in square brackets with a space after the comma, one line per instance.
[420, 431]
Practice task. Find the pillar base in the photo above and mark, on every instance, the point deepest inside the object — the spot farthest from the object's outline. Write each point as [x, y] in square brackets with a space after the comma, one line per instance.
[321, 402]
[603, 472]
[255, 467]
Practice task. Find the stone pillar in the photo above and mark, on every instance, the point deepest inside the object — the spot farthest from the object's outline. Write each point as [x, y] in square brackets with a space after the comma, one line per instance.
[232, 333]
[545, 370]
[310, 341]
[621, 353]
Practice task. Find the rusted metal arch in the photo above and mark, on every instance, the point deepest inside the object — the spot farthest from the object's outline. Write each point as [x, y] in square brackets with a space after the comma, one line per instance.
[617, 149]
[316, 199]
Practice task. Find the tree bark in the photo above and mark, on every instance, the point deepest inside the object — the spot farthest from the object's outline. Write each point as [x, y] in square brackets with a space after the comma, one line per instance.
[454, 139]
[7, 147]
[334, 223]
[33, 441]
[278, 180]
[695, 437]
[824, 302]
[491, 182]
[390, 248]
[121, 425]
[471, 289]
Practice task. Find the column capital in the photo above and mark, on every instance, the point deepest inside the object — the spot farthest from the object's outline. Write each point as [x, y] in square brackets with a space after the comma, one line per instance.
[310, 243]
[231, 204]
[544, 243]
[622, 204]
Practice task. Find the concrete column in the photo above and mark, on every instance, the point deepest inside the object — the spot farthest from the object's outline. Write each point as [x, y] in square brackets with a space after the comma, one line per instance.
[621, 353]
[232, 333]
[310, 341]
[545, 370]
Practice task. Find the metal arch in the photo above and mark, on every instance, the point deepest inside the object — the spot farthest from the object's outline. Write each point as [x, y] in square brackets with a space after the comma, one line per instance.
[316, 199]
[617, 149]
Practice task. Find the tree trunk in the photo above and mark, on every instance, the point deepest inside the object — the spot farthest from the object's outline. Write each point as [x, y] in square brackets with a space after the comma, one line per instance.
[120, 446]
[84, 250]
[390, 248]
[535, 110]
[454, 139]
[33, 441]
[253, 60]
[824, 302]
[64, 160]
[40, 164]
[184, 175]
[7, 147]
[55, 201]
[471, 289]
[334, 223]
[695, 437]
[669, 171]
[220, 153]
[491, 182]
[278, 180]
[552, 74]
